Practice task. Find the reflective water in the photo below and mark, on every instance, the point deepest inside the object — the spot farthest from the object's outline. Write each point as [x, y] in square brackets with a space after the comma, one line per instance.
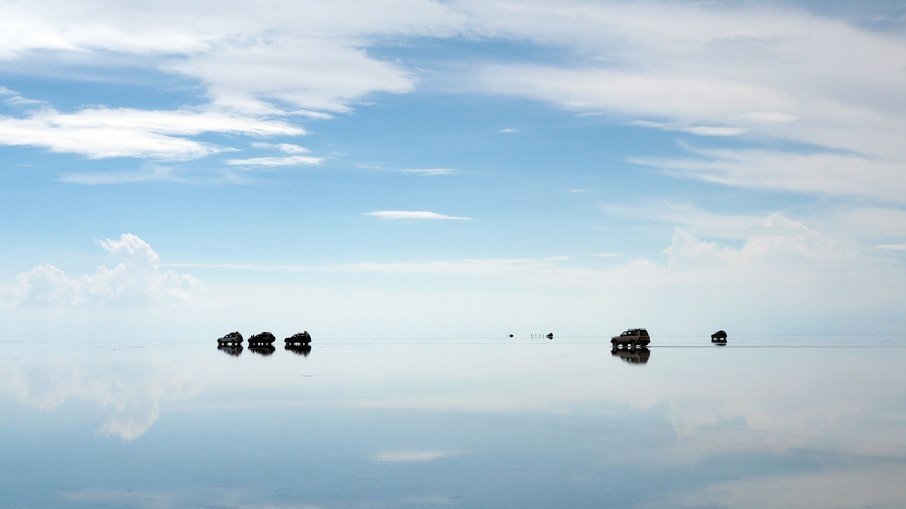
[778, 422]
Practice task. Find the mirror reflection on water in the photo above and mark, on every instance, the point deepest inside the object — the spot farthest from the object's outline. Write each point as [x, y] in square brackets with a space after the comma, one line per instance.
[787, 422]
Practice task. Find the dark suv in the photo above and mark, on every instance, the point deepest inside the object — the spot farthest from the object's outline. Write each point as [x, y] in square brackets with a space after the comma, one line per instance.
[631, 338]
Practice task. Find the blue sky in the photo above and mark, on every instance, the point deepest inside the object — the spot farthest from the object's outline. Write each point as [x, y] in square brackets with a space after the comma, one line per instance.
[443, 168]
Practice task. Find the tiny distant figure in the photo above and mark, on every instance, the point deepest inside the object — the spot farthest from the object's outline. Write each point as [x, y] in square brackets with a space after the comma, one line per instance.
[550, 335]
[511, 335]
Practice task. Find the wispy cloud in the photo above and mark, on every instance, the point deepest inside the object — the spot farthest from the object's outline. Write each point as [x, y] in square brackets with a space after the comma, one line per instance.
[286, 148]
[430, 172]
[277, 161]
[245, 267]
[100, 133]
[700, 130]
[422, 172]
[745, 71]
[812, 173]
[892, 247]
[99, 178]
[415, 214]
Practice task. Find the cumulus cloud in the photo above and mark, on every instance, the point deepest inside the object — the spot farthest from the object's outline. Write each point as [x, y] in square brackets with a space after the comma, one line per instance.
[774, 266]
[135, 281]
[414, 214]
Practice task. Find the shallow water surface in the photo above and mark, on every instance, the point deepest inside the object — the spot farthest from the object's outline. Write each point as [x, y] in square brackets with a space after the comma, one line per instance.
[763, 422]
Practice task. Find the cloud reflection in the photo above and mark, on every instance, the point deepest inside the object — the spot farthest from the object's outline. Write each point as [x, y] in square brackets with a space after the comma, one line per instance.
[128, 394]
[875, 487]
[413, 456]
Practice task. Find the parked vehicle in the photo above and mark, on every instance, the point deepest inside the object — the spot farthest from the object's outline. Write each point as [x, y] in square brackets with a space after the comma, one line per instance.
[232, 338]
[299, 338]
[719, 337]
[262, 338]
[631, 338]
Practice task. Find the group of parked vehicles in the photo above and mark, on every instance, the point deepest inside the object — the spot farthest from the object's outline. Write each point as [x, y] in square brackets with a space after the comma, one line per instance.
[263, 338]
[630, 338]
[639, 338]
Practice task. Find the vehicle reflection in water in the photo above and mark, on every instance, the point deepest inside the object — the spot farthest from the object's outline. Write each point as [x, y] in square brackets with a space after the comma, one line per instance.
[263, 350]
[302, 350]
[632, 355]
[235, 350]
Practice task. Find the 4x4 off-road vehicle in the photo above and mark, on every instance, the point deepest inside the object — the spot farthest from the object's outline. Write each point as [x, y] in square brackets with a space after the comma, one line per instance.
[631, 338]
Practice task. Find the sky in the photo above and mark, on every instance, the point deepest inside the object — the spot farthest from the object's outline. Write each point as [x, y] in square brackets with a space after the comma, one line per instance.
[458, 168]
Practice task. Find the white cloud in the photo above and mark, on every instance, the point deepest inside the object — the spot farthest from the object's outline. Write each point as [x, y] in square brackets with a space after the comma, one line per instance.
[700, 130]
[814, 173]
[308, 55]
[307, 72]
[100, 178]
[728, 70]
[414, 214]
[276, 161]
[286, 148]
[103, 133]
[135, 281]
[892, 247]
[774, 265]
[430, 172]
[744, 70]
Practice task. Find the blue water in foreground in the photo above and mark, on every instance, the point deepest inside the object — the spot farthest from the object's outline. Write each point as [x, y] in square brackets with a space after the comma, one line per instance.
[797, 422]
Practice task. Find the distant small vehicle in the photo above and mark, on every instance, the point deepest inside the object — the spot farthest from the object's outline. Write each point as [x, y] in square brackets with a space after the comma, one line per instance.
[631, 338]
[299, 338]
[232, 338]
[719, 337]
[262, 338]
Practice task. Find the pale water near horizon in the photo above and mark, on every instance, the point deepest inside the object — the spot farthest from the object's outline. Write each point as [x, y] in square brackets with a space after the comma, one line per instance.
[787, 422]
